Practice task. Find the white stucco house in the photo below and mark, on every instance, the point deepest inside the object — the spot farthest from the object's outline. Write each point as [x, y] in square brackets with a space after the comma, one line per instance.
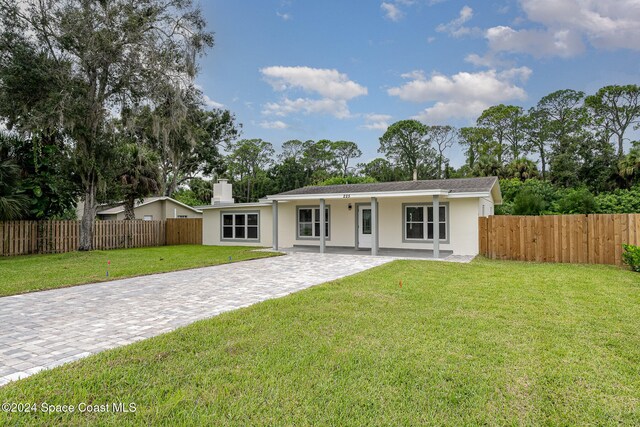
[374, 217]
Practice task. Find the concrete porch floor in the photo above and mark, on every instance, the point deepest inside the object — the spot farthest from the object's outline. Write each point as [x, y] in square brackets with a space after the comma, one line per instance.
[392, 253]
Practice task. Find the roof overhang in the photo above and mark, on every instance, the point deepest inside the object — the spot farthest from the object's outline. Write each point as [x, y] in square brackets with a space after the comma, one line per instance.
[120, 208]
[496, 193]
[359, 195]
[237, 205]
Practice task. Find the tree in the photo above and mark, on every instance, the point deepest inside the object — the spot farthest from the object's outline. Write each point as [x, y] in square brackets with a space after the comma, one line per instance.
[46, 176]
[187, 138]
[345, 151]
[380, 169]
[615, 109]
[442, 138]
[629, 166]
[537, 134]
[405, 142]
[249, 158]
[287, 175]
[139, 177]
[505, 121]
[13, 202]
[292, 149]
[564, 113]
[473, 138]
[561, 119]
[101, 57]
[318, 155]
[522, 169]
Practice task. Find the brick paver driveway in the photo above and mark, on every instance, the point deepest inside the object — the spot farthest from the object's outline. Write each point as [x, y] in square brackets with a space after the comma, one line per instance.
[46, 329]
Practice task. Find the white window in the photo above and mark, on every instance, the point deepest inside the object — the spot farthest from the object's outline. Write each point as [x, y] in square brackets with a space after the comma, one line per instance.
[418, 226]
[309, 222]
[240, 226]
[148, 218]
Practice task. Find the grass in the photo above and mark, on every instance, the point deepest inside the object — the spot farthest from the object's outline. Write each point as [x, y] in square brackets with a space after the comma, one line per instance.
[488, 343]
[30, 273]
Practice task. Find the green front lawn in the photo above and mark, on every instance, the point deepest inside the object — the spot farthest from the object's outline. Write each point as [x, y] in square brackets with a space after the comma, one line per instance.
[489, 343]
[29, 273]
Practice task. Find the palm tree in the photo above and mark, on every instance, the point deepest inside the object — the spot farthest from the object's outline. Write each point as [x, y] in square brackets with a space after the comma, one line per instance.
[139, 177]
[522, 169]
[629, 165]
[13, 204]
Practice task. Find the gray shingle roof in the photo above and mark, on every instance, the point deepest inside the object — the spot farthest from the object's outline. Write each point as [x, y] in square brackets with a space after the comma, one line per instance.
[460, 185]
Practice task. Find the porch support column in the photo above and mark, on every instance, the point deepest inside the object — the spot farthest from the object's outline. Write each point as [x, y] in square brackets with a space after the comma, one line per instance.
[274, 209]
[322, 227]
[374, 226]
[436, 227]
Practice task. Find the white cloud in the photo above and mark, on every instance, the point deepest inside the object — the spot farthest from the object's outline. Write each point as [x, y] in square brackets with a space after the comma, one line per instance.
[285, 16]
[456, 28]
[376, 121]
[325, 82]
[277, 124]
[489, 60]
[208, 101]
[608, 24]
[336, 108]
[391, 11]
[566, 24]
[538, 43]
[333, 87]
[462, 95]
[211, 103]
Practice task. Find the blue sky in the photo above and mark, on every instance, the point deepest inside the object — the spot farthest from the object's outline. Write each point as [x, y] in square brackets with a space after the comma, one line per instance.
[344, 70]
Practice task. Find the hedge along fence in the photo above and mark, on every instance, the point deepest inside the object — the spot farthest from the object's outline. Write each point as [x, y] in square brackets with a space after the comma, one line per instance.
[46, 237]
[587, 239]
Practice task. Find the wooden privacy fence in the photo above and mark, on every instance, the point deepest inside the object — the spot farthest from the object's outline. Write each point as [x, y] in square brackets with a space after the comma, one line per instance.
[587, 239]
[184, 231]
[45, 237]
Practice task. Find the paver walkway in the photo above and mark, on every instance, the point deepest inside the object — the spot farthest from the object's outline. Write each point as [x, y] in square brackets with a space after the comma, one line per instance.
[46, 329]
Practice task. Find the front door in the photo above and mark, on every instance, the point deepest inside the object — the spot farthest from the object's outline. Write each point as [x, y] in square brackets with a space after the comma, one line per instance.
[364, 226]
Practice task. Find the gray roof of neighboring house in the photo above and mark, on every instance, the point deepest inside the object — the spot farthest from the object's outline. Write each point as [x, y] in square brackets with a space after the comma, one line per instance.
[458, 185]
[147, 200]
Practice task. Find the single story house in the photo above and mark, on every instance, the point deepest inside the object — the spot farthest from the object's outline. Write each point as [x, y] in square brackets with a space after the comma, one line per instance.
[150, 209]
[432, 215]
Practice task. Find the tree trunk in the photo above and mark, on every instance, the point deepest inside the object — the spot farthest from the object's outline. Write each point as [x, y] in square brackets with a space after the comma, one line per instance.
[543, 165]
[87, 224]
[620, 146]
[415, 173]
[129, 213]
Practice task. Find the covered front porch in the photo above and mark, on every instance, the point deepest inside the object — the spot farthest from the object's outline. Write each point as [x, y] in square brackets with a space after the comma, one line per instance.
[353, 224]
[387, 252]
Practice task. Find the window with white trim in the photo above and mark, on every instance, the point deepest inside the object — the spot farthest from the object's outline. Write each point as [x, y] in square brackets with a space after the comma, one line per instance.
[148, 218]
[240, 226]
[309, 222]
[418, 226]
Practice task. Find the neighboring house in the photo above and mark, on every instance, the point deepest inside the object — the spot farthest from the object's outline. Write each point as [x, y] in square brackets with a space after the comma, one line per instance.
[150, 209]
[393, 215]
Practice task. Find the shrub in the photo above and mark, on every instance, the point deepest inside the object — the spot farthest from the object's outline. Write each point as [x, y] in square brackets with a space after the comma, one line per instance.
[528, 202]
[619, 201]
[631, 257]
[577, 201]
